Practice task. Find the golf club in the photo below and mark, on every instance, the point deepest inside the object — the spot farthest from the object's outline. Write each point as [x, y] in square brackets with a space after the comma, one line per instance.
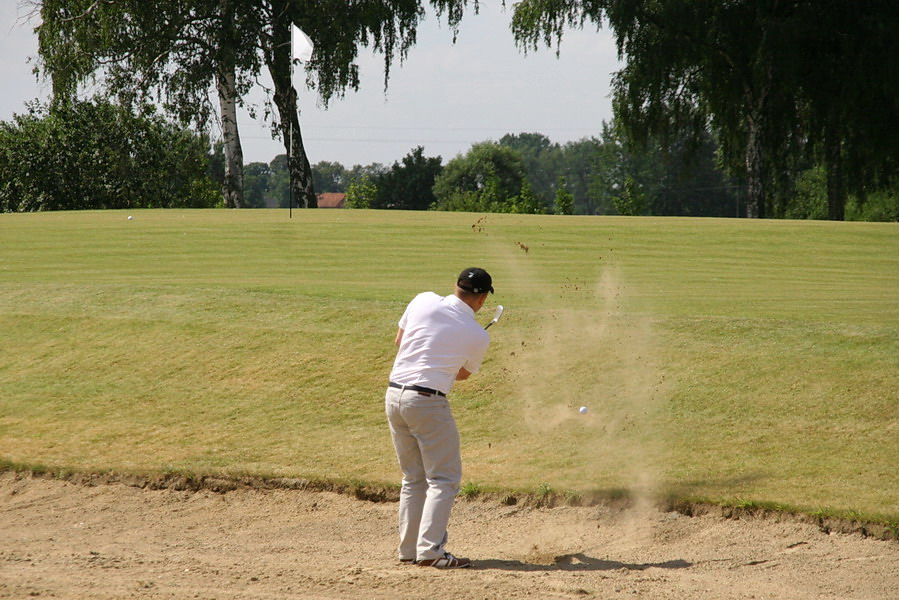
[496, 316]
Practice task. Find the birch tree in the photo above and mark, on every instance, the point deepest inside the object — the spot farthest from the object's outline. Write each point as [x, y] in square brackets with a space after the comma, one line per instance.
[159, 51]
[176, 51]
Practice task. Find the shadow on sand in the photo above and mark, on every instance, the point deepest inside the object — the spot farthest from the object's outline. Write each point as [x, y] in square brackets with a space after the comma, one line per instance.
[577, 562]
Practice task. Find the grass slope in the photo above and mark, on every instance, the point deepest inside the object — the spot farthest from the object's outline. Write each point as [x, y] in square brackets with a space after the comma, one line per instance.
[731, 360]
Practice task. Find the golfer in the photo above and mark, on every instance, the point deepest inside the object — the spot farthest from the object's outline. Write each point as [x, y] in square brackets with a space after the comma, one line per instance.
[439, 342]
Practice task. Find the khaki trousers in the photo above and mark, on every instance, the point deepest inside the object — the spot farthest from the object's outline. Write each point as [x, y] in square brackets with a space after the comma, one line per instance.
[427, 447]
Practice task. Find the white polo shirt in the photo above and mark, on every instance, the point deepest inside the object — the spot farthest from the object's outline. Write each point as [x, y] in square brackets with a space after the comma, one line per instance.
[440, 336]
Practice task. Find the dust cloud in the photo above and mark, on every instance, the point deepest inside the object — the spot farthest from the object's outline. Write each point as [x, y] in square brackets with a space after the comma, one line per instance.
[586, 347]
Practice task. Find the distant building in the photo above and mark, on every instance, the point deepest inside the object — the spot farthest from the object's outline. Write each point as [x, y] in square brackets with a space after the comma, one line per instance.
[331, 200]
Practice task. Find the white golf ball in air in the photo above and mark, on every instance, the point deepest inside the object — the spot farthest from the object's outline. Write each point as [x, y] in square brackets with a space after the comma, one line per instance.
[583, 410]
[130, 217]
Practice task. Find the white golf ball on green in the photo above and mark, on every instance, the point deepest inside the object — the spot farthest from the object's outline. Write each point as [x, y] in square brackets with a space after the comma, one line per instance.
[583, 410]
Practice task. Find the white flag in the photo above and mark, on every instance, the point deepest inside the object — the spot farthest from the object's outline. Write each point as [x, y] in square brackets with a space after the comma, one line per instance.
[302, 45]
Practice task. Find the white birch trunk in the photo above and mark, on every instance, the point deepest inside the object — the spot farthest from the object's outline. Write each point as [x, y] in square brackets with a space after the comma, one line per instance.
[232, 189]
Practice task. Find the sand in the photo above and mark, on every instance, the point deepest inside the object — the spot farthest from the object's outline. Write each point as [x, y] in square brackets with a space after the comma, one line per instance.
[64, 539]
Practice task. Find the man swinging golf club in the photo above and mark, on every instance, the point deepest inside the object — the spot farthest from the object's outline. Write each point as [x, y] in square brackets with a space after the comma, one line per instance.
[439, 342]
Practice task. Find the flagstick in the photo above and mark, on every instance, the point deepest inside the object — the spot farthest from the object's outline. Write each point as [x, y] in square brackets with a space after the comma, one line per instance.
[289, 173]
[290, 139]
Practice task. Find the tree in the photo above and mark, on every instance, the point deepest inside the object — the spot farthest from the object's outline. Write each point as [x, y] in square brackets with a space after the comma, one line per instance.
[525, 203]
[257, 185]
[96, 155]
[408, 185]
[563, 203]
[217, 163]
[371, 171]
[688, 64]
[850, 90]
[177, 49]
[658, 179]
[579, 161]
[329, 177]
[361, 193]
[772, 79]
[338, 29]
[484, 179]
[231, 49]
[279, 193]
[542, 161]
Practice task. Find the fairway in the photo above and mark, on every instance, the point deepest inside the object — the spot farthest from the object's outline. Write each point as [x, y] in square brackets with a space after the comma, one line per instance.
[732, 361]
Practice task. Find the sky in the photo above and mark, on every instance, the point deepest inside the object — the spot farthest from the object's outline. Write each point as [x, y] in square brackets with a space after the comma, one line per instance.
[444, 96]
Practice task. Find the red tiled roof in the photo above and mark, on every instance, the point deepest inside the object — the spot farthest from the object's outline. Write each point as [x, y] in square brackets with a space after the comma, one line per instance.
[331, 200]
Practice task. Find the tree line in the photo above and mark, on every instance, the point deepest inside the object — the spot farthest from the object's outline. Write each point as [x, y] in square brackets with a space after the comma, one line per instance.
[99, 155]
[773, 104]
[519, 173]
[528, 173]
[96, 155]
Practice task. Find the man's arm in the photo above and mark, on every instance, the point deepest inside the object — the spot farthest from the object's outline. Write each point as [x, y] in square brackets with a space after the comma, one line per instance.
[399, 337]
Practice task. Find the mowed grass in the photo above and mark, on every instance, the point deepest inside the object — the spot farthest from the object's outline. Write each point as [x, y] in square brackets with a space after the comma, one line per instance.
[732, 361]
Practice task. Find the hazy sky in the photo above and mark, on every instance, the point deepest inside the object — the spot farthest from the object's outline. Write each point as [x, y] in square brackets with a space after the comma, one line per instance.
[444, 97]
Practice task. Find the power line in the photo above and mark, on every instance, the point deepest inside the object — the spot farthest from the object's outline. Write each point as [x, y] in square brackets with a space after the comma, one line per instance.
[371, 140]
[466, 139]
[381, 128]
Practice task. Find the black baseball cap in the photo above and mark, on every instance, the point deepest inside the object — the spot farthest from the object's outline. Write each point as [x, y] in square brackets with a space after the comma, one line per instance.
[475, 280]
